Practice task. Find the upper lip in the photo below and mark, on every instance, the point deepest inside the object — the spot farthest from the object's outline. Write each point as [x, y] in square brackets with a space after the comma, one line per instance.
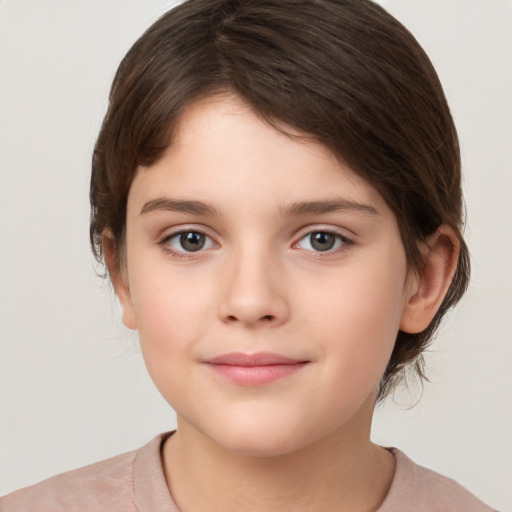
[258, 359]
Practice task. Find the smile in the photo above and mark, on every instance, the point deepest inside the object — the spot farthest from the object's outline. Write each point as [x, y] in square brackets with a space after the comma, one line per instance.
[254, 369]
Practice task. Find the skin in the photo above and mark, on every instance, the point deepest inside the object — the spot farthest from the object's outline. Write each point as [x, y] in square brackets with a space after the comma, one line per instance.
[259, 285]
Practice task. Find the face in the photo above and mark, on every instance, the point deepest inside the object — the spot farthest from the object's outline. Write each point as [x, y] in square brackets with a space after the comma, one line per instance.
[266, 280]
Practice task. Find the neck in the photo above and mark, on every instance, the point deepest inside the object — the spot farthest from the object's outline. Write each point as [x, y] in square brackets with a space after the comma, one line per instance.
[343, 471]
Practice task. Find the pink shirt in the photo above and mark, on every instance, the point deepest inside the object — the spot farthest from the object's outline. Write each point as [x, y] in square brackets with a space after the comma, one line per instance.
[135, 482]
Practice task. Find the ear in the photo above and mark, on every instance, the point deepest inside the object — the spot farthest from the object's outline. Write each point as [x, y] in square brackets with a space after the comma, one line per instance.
[427, 287]
[119, 277]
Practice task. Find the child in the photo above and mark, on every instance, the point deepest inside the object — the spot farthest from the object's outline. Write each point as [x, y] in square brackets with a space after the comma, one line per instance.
[276, 194]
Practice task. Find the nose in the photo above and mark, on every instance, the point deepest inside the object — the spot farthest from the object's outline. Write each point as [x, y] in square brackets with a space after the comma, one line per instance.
[254, 292]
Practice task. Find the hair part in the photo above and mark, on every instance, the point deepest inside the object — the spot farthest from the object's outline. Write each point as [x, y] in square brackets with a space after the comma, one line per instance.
[344, 72]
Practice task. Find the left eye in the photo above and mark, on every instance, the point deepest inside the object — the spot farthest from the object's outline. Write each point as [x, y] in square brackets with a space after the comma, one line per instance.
[189, 241]
[321, 241]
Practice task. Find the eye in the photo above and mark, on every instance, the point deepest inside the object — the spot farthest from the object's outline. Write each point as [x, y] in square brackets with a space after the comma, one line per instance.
[187, 241]
[322, 241]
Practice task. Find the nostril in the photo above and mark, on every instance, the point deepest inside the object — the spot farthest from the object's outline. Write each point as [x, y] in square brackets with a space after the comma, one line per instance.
[266, 318]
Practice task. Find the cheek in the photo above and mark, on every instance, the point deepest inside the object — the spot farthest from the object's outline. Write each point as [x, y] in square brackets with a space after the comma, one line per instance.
[376, 317]
[356, 323]
[169, 325]
[172, 312]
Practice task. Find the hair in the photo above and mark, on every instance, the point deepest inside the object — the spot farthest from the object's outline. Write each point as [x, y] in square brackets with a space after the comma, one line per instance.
[344, 72]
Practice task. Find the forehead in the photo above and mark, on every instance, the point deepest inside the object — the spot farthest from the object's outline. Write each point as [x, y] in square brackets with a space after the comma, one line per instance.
[226, 121]
[223, 152]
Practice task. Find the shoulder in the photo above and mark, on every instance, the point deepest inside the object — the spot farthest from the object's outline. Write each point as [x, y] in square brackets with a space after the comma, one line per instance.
[108, 483]
[113, 484]
[420, 489]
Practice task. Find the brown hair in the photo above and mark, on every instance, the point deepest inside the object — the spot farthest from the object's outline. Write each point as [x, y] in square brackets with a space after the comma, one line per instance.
[344, 71]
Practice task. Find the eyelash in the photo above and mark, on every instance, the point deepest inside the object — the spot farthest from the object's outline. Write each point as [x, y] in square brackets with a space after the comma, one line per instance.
[341, 242]
[164, 243]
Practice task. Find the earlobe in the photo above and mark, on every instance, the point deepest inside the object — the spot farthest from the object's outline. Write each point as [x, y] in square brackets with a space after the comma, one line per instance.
[119, 279]
[428, 286]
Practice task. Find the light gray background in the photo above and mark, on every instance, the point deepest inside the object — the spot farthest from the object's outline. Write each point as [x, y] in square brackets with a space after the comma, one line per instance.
[73, 388]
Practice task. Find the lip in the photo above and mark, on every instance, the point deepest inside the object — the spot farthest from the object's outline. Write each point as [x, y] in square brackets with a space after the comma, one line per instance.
[254, 369]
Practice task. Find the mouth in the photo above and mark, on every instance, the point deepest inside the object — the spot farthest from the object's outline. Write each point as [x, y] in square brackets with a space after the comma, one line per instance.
[254, 369]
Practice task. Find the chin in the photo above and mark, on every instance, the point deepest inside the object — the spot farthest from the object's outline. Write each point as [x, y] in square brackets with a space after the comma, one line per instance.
[260, 439]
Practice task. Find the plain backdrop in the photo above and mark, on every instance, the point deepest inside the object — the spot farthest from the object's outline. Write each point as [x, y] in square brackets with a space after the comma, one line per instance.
[73, 387]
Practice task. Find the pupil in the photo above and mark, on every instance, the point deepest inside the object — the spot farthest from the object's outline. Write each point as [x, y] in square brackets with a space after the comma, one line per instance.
[192, 241]
[322, 241]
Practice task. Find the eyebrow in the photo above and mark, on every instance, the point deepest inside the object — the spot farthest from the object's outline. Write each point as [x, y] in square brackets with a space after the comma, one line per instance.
[327, 206]
[177, 205]
[297, 208]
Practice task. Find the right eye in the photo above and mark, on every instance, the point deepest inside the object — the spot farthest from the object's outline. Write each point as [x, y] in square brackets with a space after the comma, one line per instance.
[187, 242]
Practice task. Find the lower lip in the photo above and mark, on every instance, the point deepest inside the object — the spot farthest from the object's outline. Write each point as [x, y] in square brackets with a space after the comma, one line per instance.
[256, 375]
